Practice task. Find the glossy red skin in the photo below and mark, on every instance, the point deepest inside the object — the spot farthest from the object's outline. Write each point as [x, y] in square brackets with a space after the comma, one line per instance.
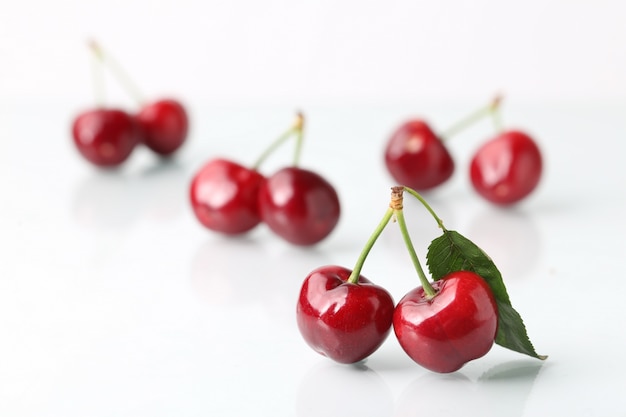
[417, 158]
[299, 205]
[343, 321]
[164, 125]
[224, 196]
[507, 168]
[105, 137]
[458, 325]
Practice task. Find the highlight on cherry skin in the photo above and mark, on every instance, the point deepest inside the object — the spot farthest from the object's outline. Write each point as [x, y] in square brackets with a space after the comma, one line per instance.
[224, 196]
[105, 137]
[456, 325]
[507, 168]
[342, 320]
[416, 156]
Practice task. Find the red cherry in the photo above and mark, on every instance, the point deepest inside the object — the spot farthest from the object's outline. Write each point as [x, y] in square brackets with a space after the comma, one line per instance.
[417, 158]
[224, 196]
[105, 137]
[507, 168]
[457, 325]
[299, 205]
[164, 125]
[343, 321]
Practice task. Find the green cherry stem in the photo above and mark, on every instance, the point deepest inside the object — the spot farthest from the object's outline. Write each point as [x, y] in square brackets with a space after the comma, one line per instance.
[97, 79]
[295, 129]
[299, 128]
[397, 206]
[427, 206]
[496, 116]
[470, 119]
[396, 209]
[428, 288]
[354, 276]
[118, 72]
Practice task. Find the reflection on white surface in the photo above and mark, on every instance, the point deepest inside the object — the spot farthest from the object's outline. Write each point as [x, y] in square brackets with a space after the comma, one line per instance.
[501, 391]
[257, 269]
[509, 385]
[331, 389]
[116, 199]
[334, 390]
[222, 273]
[440, 395]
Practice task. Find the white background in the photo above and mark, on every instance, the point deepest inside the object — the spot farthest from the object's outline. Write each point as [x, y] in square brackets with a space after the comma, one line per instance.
[295, 52]
[115, 302]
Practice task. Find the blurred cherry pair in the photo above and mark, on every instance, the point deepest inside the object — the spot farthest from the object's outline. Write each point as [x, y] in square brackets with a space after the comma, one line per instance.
[504, 170]
[297, 204]
[106, 136]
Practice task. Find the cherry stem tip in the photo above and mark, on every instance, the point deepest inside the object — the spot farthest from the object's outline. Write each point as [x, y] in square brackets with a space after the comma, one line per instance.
[295, 129]
[496, 102]
[298, 124]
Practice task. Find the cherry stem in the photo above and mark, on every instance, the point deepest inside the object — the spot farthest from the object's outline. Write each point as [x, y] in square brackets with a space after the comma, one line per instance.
[396, 204]
[496, 118]
[97, 78]
[295, 129]
[426, 205]
[356, 272]
[428, 288]
[396, 209]
[299, 129]
[470, 119]
[118, 72]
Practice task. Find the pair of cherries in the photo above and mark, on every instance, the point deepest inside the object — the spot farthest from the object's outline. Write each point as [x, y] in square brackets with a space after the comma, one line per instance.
[441, 325]
[106, 136]
[504, 170]
[348, 321]
[297, 204]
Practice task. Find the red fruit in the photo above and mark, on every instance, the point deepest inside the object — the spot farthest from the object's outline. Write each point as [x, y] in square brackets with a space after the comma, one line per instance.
[417, 158]
[224, 196]
[507, 168]
[299, 205]
[343, 321]
[105, 137]
[457, 325]
[164, 125]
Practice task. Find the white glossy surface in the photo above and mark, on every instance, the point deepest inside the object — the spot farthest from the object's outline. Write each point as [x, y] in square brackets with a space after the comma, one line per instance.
[115, 302]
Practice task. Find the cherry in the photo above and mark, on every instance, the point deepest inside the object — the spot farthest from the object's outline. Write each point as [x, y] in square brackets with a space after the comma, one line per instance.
[416, 157]
[507, 168]
[224, 196]
[456, 325]
[342, 315]
[105, 137]
[164, 125]
[299, 205]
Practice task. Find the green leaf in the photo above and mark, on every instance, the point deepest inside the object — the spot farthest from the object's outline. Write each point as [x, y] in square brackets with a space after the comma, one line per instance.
[452, 252]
